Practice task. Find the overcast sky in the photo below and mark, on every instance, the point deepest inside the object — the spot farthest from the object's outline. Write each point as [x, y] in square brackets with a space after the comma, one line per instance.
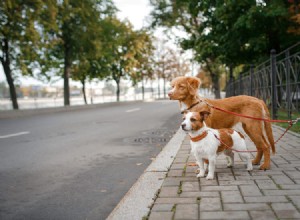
[135, 10]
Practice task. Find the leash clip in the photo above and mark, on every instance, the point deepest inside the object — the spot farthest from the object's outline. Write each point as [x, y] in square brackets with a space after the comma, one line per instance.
[295, 121]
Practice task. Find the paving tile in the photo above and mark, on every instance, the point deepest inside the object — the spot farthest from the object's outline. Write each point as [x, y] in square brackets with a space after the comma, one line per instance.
[162, 207]
[184, 211]
[291, 186]
[236, 182]
[231, 197]
[295, 200]
[180, 160]
[293, 174]
[250, 190]
[176, 200]
[245, 206]
[190, 186]
[285, 210]
[263, 215]
[199, 194]
[225, 215]
[282, 179]
[161, 215]
[171, 191]
[265, 199]
[177, 166]
[281, 192]
[210, 204]
[218, 188]
[175, 173]
[266, 184]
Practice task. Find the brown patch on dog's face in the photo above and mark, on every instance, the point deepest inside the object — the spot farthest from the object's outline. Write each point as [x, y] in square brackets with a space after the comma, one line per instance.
[193, 121]
[184, 86]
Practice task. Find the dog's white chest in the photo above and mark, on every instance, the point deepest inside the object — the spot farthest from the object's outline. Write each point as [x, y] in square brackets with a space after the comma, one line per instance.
[206, 147]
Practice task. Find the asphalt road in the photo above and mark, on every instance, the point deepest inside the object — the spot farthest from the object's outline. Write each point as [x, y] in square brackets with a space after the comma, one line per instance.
[79, 164]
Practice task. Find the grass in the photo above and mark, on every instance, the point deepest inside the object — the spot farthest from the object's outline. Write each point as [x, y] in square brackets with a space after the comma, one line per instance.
[283, 116]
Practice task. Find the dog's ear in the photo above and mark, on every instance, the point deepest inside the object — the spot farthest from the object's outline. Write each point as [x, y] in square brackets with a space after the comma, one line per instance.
[184, 112]
[194, 83]
[204, 115]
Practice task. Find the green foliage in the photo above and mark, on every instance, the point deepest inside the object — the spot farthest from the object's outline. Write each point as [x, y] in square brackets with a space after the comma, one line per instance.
[18, 27]
[125, 53]
[236, 32]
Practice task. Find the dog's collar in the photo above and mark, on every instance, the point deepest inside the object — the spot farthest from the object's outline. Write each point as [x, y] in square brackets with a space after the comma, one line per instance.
[199, 137]
[189, 108]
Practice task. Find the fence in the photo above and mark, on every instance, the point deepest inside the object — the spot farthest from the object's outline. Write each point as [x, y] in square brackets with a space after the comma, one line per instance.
[276, 81]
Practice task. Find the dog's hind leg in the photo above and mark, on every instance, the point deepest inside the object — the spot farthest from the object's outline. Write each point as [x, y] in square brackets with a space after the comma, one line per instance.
[230, 158]
[247, 158]
[255, 133]
[258, 145]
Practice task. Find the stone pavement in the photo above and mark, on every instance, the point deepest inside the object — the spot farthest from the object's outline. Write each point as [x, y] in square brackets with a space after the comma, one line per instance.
[234, 193]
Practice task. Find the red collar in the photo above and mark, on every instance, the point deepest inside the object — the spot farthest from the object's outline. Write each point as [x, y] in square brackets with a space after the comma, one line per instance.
[199, 137]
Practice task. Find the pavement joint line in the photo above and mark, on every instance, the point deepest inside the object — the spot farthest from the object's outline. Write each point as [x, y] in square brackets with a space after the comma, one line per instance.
[138, 200]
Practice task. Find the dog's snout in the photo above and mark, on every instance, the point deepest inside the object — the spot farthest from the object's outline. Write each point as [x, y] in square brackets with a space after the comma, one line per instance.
[170, 93]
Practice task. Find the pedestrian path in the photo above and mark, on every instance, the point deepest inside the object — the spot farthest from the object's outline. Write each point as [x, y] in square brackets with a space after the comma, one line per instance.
[235, 193]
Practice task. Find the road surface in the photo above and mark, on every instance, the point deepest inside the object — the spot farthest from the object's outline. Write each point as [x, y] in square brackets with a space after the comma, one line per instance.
[79, 164]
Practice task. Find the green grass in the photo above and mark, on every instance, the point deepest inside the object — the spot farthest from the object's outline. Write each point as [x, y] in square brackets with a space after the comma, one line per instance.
[283, 115]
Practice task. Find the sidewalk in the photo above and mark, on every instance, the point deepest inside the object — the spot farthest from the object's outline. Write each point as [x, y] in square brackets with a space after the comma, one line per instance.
[233, 194]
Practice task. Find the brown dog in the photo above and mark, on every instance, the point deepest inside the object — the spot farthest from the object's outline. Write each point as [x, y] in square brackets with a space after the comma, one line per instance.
[185, 89]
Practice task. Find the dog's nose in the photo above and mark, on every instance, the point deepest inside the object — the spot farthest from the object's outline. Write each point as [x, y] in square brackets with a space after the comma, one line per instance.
[183, 126]
[170, 94]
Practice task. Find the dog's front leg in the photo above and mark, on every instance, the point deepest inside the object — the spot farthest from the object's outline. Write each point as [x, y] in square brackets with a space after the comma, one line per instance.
[211, 168]
[200, 162]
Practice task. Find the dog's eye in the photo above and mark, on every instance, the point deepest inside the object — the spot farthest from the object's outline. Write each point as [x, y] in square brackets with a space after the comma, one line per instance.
[193, 120]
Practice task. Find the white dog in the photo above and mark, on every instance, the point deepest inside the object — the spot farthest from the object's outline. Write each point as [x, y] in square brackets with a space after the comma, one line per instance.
[207, 143]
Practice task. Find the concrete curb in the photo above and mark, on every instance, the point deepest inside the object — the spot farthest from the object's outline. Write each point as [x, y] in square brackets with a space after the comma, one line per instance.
[138, 200]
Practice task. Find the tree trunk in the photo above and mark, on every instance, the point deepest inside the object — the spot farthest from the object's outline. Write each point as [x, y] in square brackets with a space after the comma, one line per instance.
[216, 85]
[67, 71]
[158, 87]
[165, 87]
[83, 91]
[5, 60]
[118, 90]
[215, 80]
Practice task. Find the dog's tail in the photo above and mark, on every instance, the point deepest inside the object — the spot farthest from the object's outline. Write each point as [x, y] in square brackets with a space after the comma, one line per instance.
[268, 128]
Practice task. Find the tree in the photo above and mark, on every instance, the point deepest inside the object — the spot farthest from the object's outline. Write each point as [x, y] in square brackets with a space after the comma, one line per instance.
[19, 37]
[75, 32]
[124, 53]
[230, 32]
[168, 65]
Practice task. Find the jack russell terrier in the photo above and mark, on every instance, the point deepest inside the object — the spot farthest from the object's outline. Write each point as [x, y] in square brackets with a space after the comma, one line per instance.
[208, 143]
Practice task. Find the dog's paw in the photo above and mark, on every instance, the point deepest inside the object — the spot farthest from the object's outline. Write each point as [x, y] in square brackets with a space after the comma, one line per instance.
[229, 166]
[250, 168]
[255, 162]
[200, 175]
[264, 167]
[210, 177]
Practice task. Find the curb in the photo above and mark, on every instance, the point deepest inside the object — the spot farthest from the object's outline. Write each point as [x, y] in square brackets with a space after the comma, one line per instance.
[137, 201]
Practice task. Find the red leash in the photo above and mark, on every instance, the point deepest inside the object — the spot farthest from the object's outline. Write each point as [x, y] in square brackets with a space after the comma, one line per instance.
[239, 151]
[291, 122]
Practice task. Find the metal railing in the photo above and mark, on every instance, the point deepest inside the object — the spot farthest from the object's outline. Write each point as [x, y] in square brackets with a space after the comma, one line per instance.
[276, 81]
